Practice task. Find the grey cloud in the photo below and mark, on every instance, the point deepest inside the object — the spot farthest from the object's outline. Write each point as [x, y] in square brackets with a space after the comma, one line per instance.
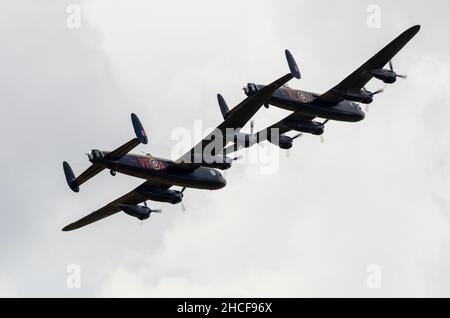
[375, 192]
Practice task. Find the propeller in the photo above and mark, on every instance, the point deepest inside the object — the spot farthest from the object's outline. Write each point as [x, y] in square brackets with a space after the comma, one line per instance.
[381, 90]
[391, 67]
[183, 207]
[372, 94]
[293, 138]
[156, 210]
[152, 211]
[322, 137]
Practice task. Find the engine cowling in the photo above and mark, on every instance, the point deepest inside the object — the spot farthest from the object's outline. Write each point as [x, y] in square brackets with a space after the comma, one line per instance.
[284, 142]
[309, 127]
[358, 96]
[161, 195]
[251, 89]
[137, 211]
[387, 76]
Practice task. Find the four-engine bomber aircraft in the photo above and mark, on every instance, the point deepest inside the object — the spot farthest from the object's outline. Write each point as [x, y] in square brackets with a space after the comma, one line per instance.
[339, 103]
[197, 168]
[190, 171]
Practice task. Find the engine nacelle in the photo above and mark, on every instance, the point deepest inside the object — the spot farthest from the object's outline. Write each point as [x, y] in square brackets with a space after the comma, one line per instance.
[358, 96]
[251, 89]
[387, 76]
[284, 142]
[161, 195]
[309, 127]
[137, 211]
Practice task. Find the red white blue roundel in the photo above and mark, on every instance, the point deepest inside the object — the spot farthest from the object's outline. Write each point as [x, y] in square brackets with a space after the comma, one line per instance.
[155, 164]
[303, 97]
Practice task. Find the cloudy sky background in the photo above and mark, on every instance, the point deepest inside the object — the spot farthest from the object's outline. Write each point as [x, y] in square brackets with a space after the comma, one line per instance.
[375, 192]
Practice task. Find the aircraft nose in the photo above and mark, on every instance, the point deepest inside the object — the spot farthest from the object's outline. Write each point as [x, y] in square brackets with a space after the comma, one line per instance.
[222, 182]
[362, 114]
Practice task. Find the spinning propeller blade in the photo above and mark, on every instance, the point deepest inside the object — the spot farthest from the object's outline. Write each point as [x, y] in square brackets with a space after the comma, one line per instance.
[378, 92]
[183, 207]
[322, 137]
[391, 67]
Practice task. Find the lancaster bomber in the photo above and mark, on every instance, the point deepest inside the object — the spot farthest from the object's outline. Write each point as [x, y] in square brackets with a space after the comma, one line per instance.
[196, 169]
[199, 167]
[341, 103]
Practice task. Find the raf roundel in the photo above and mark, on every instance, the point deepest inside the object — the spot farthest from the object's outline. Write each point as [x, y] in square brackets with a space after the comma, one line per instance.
[155, 164]
[303, 97]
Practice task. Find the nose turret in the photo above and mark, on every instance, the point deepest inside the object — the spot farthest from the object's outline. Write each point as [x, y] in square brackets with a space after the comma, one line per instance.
[221, 181]
[360, 114]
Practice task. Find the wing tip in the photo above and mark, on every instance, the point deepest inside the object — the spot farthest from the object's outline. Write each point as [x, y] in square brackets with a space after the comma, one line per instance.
[414, 29]
[68, 228]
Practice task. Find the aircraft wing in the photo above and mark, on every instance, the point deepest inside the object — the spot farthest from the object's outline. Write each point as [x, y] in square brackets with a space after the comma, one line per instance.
[278, 128]
[282, 128]
[131, 198]
[93, 170]
[237, 119]
[359, 78]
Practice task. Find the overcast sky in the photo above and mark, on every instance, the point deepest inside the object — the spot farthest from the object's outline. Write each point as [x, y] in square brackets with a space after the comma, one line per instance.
[376, 192]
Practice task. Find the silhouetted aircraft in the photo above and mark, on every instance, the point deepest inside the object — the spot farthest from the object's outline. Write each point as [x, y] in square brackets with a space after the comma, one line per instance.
[195, 169]
[339, 103]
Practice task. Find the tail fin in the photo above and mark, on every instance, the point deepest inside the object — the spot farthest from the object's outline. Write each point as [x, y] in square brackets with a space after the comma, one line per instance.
[223, 106]
[70, 177]
[292, 65]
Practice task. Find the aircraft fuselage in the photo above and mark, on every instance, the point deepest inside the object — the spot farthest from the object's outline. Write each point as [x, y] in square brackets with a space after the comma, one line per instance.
[304, 102]
[160, 171]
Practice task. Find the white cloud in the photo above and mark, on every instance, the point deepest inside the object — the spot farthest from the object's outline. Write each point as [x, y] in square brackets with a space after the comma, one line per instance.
[374, 193]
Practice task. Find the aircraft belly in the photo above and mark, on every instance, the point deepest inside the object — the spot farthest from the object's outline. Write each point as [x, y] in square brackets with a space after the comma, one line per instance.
[159, 175]
[334, 114]
[320, 111]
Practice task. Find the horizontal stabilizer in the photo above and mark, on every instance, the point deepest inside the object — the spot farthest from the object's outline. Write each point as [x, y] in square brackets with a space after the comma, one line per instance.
[141, 137]
[118, 153]
[75, 183]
